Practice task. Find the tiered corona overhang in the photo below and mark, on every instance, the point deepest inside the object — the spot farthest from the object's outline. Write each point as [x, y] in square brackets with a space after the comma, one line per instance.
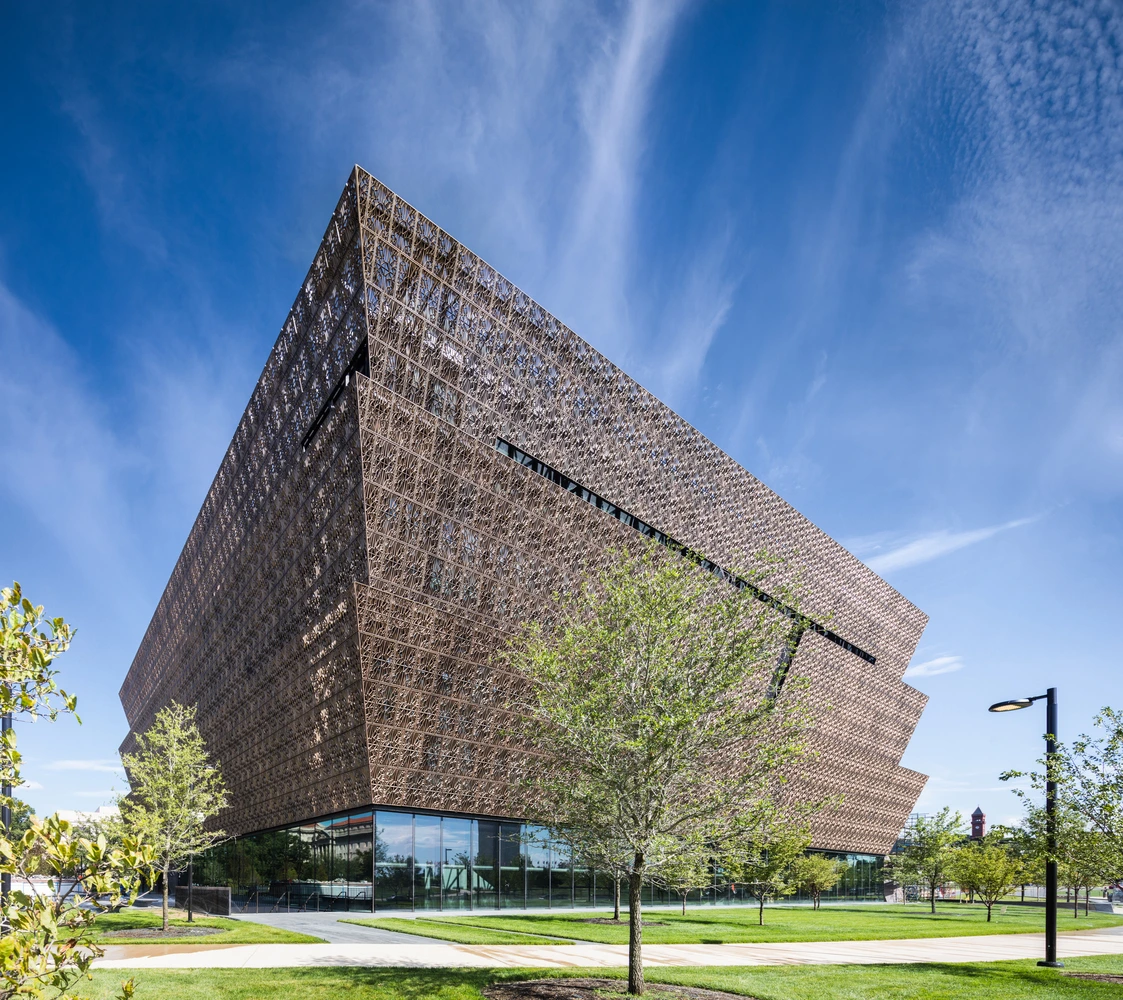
[366, 547]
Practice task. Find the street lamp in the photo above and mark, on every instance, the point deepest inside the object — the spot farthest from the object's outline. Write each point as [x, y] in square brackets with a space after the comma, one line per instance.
[1013, 705]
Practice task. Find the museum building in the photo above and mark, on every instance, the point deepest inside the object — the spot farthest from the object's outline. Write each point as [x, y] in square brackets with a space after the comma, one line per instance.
[427, 456]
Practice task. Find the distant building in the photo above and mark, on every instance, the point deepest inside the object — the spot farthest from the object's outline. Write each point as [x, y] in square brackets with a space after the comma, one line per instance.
[978, 824]
[96, 816]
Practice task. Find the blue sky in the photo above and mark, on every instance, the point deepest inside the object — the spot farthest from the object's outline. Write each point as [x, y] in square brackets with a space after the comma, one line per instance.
[873, 251]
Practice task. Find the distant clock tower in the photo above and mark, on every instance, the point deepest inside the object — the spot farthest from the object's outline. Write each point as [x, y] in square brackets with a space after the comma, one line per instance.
[978, 824]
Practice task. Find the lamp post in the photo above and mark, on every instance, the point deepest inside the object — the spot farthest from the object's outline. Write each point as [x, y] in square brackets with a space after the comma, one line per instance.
[1013, 705]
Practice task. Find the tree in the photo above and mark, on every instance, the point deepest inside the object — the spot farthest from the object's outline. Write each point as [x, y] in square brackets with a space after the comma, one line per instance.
[763, 860]
[987, 869]
[174, 791]
[924, 859]
[816, 874]
[689, 868]
[46, 945]
[1089, 795]
[1086, 859]
[1085, 856]
[1091, 777]
[21, 818]
[648, 694]
[599, 852]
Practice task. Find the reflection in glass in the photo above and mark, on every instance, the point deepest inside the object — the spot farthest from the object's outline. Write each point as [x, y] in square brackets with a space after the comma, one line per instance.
[427, 863]
[561, 876]
[393, 866]
[456, 861]
[536, 848]
[485, 867]
[512, 866]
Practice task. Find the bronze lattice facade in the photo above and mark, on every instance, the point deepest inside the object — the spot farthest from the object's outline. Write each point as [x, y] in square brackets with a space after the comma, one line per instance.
[427, 455]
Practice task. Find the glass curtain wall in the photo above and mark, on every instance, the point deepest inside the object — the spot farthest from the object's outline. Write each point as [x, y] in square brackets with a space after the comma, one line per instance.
[389, 860]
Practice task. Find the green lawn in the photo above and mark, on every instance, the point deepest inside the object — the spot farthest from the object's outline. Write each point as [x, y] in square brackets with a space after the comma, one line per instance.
[728, 925]
[450, 930]
[234, 931]
[970, 981]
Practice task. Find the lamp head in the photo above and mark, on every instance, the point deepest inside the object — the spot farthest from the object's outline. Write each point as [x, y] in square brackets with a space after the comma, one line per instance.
[1011, 706]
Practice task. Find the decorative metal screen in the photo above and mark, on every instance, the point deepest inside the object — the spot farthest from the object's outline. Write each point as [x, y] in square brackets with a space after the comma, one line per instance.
[365, 547]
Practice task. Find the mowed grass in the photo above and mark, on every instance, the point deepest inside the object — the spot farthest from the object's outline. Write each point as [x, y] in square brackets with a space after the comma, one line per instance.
[450, 930]
[969, 981]
[233, 931]
[727, 925]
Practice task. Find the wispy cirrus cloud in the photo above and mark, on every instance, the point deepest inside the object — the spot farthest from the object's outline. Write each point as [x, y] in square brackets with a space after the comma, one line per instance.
[935, 666]
[526, 137]
[886, 553]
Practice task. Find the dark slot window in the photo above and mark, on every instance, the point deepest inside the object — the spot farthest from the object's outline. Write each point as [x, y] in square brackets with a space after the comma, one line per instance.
[802, 621]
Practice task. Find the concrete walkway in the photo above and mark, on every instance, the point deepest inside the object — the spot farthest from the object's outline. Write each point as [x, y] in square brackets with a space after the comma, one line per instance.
[330, 927]
[439, 955]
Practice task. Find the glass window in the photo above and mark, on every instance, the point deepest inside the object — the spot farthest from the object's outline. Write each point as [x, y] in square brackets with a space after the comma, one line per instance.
[485, 868]
[456, 863]
[393, 873]
[427, 864]
[512, 866]
[359, 831]
[561, 876]
[536, 849]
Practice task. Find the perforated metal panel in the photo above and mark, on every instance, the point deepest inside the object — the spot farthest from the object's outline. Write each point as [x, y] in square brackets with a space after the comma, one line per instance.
[401, 539]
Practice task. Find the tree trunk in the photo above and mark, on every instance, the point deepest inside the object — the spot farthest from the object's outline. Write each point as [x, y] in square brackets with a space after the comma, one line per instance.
[167, 869]
[635, 926]
[1023, 892]
[760, 911]
[989, 905]
[1075, 903]
[932, 897]
[684, 904]
[616, 898]
[1087, 893]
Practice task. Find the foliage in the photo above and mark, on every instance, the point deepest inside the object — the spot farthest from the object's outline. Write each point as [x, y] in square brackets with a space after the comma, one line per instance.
[21, 818]
[927, 851]
[174, 790]
[46, 947]
[763, 860]
[1085, 857]
[649, 694]
[816, 874]
[1089, 795]
[684, 872]
[987, 869]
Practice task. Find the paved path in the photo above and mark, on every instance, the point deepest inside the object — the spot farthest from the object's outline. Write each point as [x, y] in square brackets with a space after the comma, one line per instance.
[330, 927]
[983, 948]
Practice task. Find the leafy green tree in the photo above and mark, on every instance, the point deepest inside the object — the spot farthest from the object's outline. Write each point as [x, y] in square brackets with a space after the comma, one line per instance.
[46, 946]
[1091, 777]
[924, 859]
[599, 852]
[174, 791]
[1085, 856]
[21, 818]
[763, 860]
[688, 868]
[648, 693]
[987, 869]
[816, 874]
